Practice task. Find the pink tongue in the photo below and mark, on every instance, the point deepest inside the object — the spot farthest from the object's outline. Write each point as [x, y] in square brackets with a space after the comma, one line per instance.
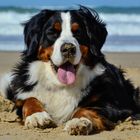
[66, 74]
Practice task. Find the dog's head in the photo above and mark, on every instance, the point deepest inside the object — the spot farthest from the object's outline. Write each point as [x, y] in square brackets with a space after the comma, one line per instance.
[66, 38]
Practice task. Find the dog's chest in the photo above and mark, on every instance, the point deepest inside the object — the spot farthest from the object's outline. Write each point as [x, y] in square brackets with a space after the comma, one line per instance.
[59, 103]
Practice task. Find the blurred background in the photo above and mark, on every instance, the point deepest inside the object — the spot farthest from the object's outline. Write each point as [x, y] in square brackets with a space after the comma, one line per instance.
[121, 16]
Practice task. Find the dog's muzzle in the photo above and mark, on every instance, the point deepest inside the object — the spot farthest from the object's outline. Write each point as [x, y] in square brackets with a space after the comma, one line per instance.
[68, 51]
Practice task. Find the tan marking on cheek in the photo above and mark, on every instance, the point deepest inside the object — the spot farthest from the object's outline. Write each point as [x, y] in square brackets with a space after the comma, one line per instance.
[44, 54]
[84, 50]
[57, 26]
[74, 27]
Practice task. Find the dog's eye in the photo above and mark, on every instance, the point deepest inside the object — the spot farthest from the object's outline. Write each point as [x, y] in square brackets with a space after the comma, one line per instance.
[52, 34]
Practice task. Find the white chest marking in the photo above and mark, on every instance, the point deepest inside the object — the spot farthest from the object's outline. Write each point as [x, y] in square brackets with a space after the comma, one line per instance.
[60, 100]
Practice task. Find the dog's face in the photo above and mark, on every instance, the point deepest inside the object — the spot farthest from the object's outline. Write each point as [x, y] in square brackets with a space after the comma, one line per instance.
[66, 39]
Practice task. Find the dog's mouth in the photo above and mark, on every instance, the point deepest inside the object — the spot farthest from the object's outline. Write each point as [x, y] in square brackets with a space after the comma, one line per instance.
[66, 72]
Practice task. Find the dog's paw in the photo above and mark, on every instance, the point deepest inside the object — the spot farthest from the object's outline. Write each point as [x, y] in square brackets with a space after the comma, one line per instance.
[40, 120]
[79, 126]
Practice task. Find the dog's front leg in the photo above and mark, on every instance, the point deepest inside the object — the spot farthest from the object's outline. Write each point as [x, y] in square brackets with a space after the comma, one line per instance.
[87, 120]
[34, 114]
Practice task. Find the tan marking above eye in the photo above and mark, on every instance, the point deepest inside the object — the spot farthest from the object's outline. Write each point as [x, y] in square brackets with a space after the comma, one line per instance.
[57, 26]
[74, 27]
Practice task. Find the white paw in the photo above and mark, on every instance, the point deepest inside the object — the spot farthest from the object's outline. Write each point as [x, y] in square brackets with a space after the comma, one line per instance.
[39, 119]
[78, 126]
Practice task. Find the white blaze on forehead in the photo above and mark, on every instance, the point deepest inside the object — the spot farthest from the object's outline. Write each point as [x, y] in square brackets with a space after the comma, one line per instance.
[66, 36]
[66, 25]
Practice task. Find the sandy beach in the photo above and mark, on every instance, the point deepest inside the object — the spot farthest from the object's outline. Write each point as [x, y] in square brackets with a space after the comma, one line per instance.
[10, 129]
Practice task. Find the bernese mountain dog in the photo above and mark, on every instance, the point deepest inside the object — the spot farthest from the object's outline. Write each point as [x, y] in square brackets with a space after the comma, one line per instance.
[64, 78]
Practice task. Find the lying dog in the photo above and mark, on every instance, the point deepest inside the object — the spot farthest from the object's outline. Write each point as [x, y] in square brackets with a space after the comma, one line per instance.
[63, 77]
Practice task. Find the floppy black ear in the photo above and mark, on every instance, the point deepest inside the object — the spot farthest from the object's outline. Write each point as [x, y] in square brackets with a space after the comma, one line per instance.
[33, 30]
[96, 29]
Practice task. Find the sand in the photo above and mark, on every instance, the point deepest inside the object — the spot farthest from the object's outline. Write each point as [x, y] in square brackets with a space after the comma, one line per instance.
[11, 129]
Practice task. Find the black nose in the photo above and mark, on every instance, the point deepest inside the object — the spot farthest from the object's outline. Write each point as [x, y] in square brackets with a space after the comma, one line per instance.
[68, 50]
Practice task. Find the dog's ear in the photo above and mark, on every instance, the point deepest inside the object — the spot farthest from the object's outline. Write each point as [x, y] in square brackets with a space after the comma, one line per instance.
[96, 29]
[33, 30]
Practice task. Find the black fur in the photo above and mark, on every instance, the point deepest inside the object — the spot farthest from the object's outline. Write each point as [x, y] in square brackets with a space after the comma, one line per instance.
[95, 29]
[117, 96]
